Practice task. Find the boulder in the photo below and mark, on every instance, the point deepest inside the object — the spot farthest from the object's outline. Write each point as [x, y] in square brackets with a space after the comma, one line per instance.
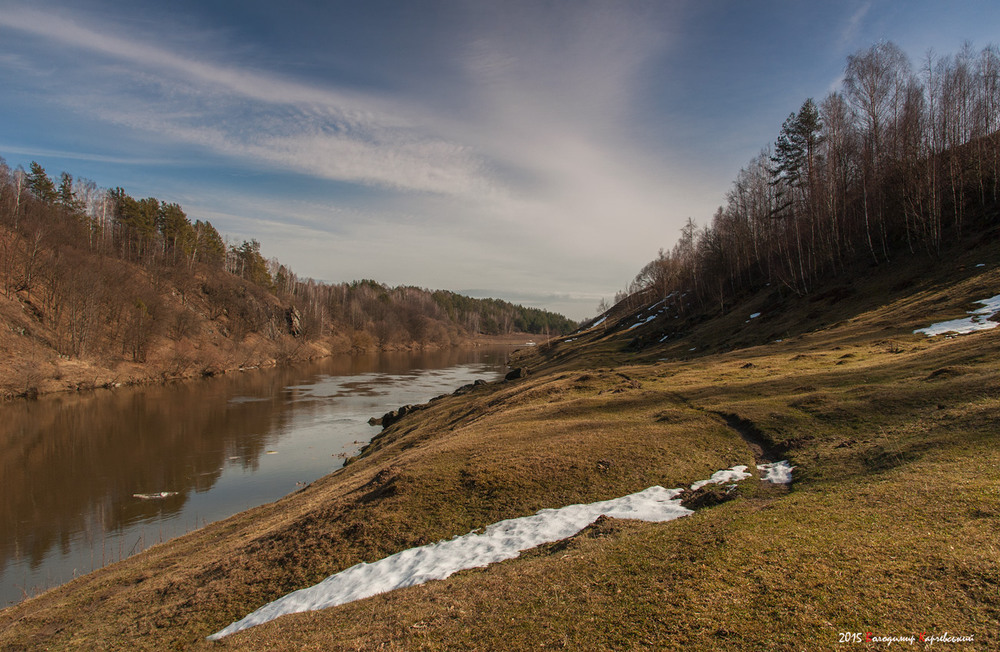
[520, 372]
[393, 416]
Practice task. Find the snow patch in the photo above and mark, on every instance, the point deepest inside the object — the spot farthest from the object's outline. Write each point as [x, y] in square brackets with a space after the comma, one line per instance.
[777, 472]
[979, 320]
[503, 540]
[735, 474]
[640, 323]
[755, 315]
[572, 339]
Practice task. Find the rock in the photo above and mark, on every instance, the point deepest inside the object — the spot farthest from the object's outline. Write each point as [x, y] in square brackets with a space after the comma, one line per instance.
[294, 320]
[393, 416]
[520, 372]
[389, 418]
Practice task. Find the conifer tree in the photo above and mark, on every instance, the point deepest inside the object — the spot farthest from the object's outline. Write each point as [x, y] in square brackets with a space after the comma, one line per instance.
[40, 184]
[66, 197]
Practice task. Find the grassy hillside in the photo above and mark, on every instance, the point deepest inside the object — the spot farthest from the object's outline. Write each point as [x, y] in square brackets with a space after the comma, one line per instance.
[889, 527]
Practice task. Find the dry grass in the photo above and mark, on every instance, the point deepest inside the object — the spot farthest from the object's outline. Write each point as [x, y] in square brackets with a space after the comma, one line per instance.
[891, 526]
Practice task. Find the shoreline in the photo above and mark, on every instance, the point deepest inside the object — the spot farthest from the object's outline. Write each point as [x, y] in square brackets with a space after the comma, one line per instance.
[331, 367]
[61, 375]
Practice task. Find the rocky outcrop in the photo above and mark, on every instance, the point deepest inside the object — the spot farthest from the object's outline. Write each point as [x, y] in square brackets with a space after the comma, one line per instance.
[294, 319]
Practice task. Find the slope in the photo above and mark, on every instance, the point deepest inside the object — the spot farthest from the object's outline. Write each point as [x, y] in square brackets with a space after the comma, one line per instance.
[890, 526]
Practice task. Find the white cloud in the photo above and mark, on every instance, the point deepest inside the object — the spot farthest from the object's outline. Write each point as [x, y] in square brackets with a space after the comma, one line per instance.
[334, 134]
[532, 172]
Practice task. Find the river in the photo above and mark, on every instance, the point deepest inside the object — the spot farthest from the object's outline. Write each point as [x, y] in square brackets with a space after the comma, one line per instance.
[88, 479]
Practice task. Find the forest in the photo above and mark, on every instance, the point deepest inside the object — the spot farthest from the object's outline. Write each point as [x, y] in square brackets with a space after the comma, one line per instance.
[95, 274]
[901, 158]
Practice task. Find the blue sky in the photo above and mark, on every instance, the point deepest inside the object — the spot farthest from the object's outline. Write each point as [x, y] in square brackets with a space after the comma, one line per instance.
[539, 151]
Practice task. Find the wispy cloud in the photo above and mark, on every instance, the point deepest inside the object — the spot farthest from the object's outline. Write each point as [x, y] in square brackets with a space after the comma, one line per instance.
[328, 133]
[529, 169]
[851, 31]
[82, 156]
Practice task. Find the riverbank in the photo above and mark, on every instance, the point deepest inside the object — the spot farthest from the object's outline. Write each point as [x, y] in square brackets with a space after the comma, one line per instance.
[889, 526]
[93, 477]
[31, 366]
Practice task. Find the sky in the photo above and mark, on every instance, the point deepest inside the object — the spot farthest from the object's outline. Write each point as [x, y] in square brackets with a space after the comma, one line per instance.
[536, 151]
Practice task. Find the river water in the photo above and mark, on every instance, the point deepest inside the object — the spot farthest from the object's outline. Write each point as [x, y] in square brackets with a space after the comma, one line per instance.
[88, 479]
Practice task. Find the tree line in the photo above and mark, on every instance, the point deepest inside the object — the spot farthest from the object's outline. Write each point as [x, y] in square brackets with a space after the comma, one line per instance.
[901, 158]
[108, 274]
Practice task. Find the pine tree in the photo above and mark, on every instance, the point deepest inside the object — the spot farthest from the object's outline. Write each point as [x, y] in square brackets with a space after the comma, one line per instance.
[40, 184]
[66, 197]
[209, 246]
[795, 149]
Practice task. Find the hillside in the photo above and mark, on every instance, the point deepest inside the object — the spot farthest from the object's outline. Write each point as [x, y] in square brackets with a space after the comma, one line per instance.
[99, 289]
[888, 527]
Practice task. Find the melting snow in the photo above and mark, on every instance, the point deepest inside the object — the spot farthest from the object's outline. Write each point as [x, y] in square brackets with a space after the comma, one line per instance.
[979, 321]
[646, 321]
[599, 321]
[500, 541]
[777, 472]
[572, 339]
[755, 315]
[735, 474]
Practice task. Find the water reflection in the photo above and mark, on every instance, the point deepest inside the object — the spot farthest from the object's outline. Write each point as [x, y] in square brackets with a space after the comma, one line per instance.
[78, 472]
